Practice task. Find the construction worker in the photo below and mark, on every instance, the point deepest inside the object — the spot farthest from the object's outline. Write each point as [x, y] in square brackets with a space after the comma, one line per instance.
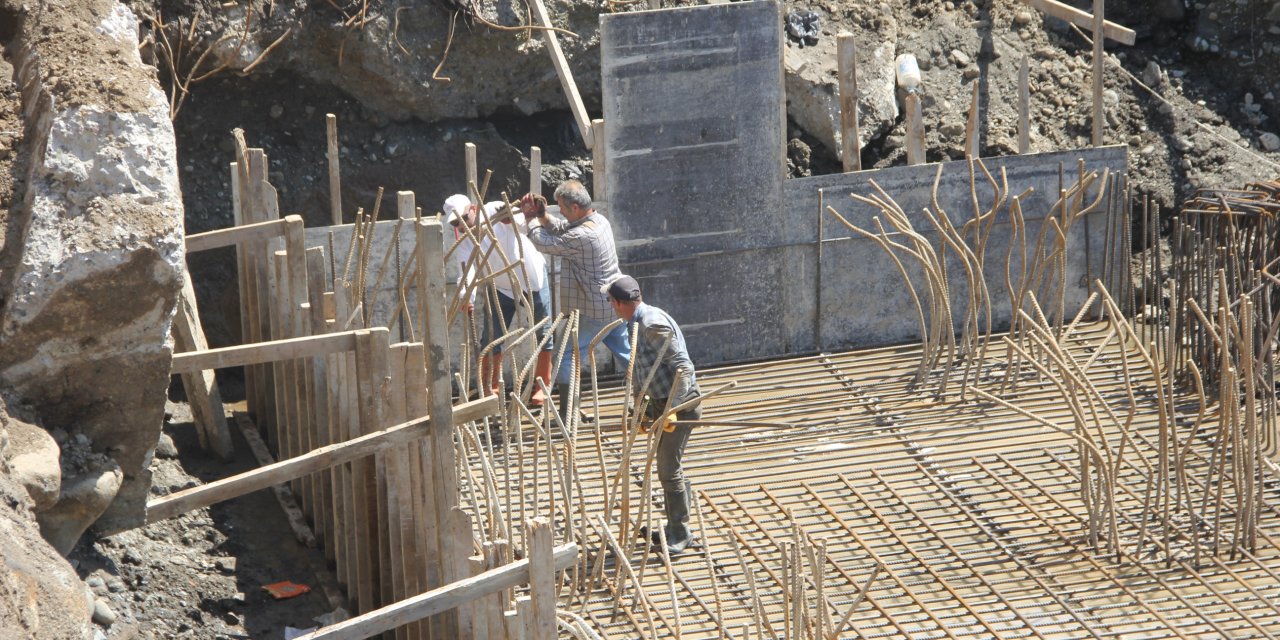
[654, 328]
[526, 284]
[584, 242]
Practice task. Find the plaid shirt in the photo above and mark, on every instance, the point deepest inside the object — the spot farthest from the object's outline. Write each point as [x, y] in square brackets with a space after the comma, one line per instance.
[590, 261]
[654, 326]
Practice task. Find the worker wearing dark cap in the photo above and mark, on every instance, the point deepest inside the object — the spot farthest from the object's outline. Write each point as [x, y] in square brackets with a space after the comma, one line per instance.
[654, 328]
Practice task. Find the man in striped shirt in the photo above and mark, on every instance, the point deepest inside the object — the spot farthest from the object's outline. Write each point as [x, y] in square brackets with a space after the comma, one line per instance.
[584, 242]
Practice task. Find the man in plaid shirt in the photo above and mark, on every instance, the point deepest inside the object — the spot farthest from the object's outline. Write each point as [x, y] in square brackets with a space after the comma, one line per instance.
[654, 329]
[584, 242]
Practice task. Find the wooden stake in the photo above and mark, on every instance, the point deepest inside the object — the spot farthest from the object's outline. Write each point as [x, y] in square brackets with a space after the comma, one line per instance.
[1098, 61]
[322, 420]
[915, 130]
[472, 172]
[542, 586]
[201, 386]
[971, 148]
[371, 371]
[535, 170]
[335, 184]
[599, 163]
[1024, 107]
[847, 72]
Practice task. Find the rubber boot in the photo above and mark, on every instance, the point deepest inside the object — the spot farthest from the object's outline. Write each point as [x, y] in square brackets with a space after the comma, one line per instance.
[562, 403]
[676, 504]
[541, 371]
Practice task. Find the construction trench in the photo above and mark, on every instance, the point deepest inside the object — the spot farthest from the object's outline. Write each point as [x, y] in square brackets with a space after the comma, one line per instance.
[935, 405]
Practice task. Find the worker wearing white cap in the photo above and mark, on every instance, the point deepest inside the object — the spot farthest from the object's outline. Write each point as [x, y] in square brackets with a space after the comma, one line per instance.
[527, 283]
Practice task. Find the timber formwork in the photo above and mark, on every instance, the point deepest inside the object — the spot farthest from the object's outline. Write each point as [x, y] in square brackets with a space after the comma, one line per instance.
[959, 519]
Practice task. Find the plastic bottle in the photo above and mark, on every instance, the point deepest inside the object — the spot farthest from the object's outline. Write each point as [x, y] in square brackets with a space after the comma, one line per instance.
[908, 72]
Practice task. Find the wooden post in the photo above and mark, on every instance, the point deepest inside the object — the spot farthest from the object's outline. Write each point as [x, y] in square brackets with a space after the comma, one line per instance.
[278, 431]
[971, 149]
[542, 580]
[403, 551]
[535, 170]
[427, 571]
[325, 515]
[1099, 38]
[915, 130]
[335, 183]
[260, 206]
[599, 163]
[345, 428]
[433, 307]
[243, 280]
[1024, 107]
[371, 372]
[303, 423]
[566, 76]
[847, 71]
[472, 172]
[201, 387]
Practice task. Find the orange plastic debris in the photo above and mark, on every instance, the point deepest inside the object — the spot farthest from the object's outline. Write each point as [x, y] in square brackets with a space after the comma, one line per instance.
[285, 590]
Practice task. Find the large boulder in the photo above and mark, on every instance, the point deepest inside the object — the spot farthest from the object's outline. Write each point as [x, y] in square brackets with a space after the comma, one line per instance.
[91, 296]
[33, 460]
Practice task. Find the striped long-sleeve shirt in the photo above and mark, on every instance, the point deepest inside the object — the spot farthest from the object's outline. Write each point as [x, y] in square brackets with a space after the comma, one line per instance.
[589, 261]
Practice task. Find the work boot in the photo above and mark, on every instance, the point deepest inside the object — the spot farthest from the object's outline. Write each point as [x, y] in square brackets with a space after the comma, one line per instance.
[541, 371]
[490, 372]
[676, 504]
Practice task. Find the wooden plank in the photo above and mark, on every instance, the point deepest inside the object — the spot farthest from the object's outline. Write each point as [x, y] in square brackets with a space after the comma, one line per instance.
[395, 479]
[234, 236]
[247, 354]
[1113, 31]
[566, 75]
[847, 74]
[260, 206]
[599, 163]
[535, 170]
[342, 390]
[1099, 10]
[480, 626]
[442, 599]
[251, 383]
[1024, 107]
[323, 458]
[335, 180]
[277, 430]
[432, 306]
[325, 514]
[371, 371]
[542, 580]
[202, 386]
[473, 172]
[427, 539]
[971, 150]
[915, 130]
[300, 380]
[292, 512]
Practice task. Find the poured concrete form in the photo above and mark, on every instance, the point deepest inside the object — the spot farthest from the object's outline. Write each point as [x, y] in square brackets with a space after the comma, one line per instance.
[695, 124]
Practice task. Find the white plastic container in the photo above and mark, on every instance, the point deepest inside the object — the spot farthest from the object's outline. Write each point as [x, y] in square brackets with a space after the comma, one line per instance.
[908, 72]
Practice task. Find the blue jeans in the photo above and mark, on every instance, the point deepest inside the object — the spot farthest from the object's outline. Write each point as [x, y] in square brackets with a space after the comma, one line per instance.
[491, 328]
[618, 341]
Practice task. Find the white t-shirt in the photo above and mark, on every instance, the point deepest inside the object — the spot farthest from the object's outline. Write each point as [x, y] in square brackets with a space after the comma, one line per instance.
[514, 244]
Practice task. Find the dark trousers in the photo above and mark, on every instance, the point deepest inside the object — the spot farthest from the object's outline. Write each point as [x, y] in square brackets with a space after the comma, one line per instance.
[676, 488]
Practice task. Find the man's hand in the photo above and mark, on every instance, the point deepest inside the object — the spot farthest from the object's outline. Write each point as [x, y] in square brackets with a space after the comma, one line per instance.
[533, 206]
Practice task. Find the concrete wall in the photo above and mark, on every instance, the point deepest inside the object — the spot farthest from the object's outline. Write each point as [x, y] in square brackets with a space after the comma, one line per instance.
[695, 123]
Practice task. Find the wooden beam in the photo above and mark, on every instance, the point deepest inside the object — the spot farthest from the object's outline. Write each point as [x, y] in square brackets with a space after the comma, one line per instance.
[335, 179]
[263, 352]
[201, 386]
[292, 513]
[473, 172]
[971, 150]
[439, 600]
[1024, 107]
[1111, 30]
[915, 130]
[566, 76]
[234, 236]
[542, 579]
[599, 164]
[318, 460]
[1099, 8]
[847, 74]
[535, 170]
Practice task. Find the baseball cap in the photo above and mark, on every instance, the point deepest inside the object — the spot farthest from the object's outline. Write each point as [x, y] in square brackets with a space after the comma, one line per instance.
[454, 206]
[623, 289]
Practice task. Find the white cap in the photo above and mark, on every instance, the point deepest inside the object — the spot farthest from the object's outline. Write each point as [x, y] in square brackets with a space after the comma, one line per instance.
[454, 206]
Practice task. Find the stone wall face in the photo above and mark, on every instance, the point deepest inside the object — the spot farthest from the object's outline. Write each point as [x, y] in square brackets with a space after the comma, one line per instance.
[86, 325]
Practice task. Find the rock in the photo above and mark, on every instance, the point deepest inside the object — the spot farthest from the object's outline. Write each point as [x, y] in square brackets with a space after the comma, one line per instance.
[226, 565]
[132, 556]
[813, 97]
[103, 223]
[83, 499]
[1269, 141]
[276, 111]
[102, 613]
[40, 594]
[33, 457]
[959, 58]
[970, 73]
[1022, 18]
[165, 448]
